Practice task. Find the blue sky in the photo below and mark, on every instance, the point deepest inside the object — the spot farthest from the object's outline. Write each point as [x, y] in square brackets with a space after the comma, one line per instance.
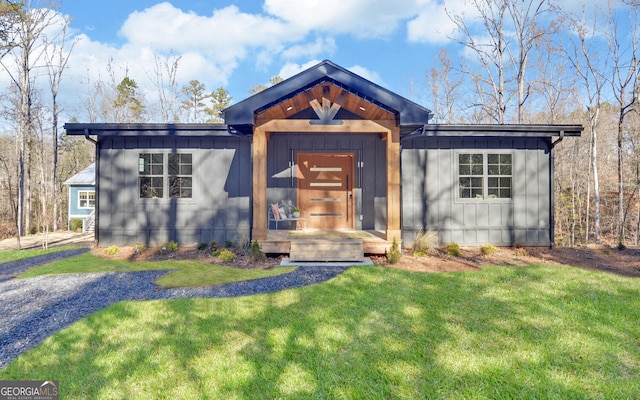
[240, 44]
[380, 50]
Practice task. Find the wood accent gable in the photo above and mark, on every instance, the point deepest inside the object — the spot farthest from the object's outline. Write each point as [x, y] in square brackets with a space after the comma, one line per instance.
[319, 97]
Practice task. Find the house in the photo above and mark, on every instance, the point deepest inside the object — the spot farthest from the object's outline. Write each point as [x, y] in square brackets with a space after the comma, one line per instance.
[82, 197]
[349, 153]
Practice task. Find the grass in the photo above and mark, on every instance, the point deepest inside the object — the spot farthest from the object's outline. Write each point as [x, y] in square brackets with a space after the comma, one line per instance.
[14, 255]
[373, 332]
[187, 273]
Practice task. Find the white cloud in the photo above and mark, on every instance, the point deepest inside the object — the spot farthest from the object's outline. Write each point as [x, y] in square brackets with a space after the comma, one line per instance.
[225, 37]
[366, 74]
[433, 23]
[321, 45]
[360, 18]
[290, 69]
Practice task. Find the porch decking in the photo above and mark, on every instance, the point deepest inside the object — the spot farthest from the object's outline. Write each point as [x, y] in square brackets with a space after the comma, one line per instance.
[325, 245]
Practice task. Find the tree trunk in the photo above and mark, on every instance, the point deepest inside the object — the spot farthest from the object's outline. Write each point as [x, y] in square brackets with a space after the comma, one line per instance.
[620, 182]
[54, 173]
[596, 182]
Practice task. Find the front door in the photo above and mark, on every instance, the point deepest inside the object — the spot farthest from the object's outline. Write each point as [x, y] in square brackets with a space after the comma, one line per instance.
[325, 189]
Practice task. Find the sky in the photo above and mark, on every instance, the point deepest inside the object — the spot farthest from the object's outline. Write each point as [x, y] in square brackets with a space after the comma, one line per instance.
[240, 44]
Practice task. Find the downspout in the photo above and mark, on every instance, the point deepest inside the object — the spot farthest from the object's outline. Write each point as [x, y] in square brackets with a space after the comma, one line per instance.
[96, 231]
[552, 197]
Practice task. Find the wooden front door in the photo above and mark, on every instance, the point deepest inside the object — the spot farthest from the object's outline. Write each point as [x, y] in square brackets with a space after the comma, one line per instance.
[325, 189]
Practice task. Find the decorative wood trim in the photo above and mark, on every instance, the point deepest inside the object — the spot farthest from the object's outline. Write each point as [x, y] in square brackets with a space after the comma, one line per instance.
[348, 126]
[393, 185]
[259, 176]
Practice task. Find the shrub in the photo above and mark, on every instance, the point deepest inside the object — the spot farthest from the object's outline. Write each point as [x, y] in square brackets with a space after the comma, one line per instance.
[425, 242]
[201, 246]
[487, 249]
[521, 252]
[111, 250]
[225, 255]
[76, 224]
[170, 246]
[453, 249]
[228, 244]
[138, 248]
[394, 252]
[256, 253]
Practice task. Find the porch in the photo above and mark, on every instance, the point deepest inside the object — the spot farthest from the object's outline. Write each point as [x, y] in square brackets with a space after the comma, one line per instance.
[325, 245]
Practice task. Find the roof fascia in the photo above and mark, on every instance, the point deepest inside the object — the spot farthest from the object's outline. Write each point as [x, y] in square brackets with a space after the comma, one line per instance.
[501, 130]
[111, 129]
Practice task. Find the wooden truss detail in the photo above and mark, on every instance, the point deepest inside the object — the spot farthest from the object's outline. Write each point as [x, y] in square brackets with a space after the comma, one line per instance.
[327, 111]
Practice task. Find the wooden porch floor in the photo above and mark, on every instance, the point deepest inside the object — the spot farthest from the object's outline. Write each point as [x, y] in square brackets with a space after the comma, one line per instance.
[279, 242]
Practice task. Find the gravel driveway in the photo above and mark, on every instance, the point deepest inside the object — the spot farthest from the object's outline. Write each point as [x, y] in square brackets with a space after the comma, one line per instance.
[35, 308]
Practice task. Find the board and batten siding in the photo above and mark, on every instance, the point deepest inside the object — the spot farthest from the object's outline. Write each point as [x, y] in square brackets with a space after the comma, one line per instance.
[220, 207]
[430, 192]
[370, 188]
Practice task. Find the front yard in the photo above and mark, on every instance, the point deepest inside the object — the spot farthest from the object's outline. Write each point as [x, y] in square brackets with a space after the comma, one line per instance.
[536, 331]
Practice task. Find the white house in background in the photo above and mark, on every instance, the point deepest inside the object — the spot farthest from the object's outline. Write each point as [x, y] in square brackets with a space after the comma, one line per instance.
[82, 197]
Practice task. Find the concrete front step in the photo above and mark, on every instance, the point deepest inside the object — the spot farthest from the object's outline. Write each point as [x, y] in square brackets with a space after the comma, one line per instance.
[326, 250]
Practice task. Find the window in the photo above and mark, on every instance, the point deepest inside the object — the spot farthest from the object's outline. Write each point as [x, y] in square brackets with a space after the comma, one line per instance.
[485, 175]
[86, 199]
[153, 177]
[180, 176]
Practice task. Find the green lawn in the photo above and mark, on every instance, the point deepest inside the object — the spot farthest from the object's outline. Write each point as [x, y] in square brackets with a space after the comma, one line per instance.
[187, 273]
[540, 332]
[14, 255]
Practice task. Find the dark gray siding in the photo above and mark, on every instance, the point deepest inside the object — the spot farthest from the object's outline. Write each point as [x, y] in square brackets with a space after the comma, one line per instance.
[370, 191]
[430, 201]
[219, 210]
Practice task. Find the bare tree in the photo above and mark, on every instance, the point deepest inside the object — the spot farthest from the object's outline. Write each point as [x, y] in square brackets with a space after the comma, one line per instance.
[164, 78]
[590, 66]
[34, 19]
[623, 45]
[525, 16]
[491, 51]
[57, 58]
[445, 87]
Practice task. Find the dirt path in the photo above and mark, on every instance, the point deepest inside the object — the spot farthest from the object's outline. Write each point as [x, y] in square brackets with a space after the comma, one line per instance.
[53, 239]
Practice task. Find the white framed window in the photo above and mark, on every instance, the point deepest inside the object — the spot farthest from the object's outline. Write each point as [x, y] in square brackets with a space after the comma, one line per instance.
[86, 199]
[157, 171]
[484, 175]
[180, 181]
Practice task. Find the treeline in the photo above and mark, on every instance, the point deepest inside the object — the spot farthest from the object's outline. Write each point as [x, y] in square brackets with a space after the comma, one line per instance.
[539, 63]
[526, 61]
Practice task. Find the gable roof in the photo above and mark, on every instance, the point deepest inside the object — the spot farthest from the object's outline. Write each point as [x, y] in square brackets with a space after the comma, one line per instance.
[410, 115]
[85, 177]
